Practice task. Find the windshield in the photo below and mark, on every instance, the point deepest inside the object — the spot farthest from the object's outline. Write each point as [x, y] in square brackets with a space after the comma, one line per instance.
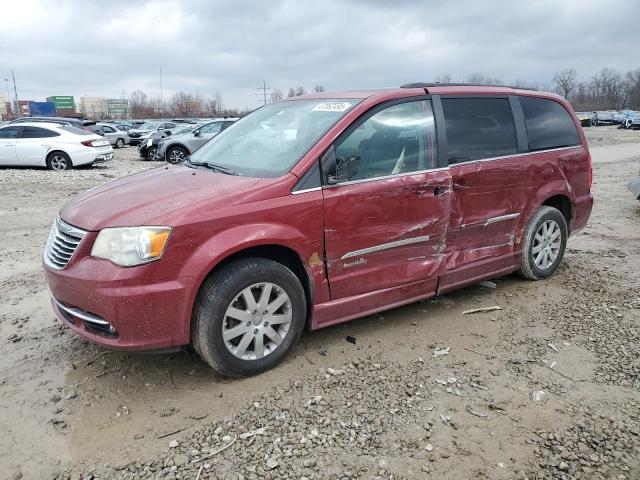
[148, 126]
[269, 141]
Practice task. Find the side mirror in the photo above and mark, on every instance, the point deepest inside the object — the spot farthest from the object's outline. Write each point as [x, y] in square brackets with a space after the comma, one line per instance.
[196, 133]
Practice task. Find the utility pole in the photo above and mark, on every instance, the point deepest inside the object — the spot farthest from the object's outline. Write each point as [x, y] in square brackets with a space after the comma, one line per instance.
[263, 91]
[15, 93]
[125, 103]
[6, 81]
[161, 102]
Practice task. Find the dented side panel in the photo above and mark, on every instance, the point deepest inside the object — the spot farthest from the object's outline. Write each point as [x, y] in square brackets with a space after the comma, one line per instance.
[384, 233]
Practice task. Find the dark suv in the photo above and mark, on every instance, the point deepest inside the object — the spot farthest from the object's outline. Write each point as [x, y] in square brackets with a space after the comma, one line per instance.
[319, 209]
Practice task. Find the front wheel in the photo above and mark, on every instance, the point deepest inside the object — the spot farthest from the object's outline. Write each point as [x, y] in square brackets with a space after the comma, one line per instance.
[153, 154]
[545, 241]
[119, 143]
[247, 316]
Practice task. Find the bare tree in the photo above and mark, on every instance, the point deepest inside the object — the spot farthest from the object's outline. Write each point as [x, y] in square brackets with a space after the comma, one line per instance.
[610, 88]
[291, 93]
[565, 82]
[319, 88]
[446, 78]
[300, 91]
[633, 84]
[138, 100]
[214, 106]
[276, 95]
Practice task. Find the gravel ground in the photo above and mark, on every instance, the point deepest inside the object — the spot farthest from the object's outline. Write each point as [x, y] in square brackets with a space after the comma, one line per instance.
[547, 387]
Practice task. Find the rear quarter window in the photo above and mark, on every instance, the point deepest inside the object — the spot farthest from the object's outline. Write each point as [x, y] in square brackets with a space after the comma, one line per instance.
[549, 125]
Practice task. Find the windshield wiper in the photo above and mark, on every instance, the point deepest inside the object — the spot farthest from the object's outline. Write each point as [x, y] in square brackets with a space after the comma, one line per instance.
[213, 166]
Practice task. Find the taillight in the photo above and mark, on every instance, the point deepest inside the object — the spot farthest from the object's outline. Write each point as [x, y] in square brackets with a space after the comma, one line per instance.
[87, 143]
[590, 178]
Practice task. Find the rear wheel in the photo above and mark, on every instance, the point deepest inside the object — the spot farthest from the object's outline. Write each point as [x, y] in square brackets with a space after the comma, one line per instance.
[545, 241]
[59, 161]
[119, 143]
[247, 316]
[176, 155]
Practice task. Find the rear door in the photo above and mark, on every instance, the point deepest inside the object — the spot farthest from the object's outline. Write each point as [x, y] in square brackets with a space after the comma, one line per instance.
[33, 145]
[490, 189]
[386, 204]
[110, 133]
[8, 138]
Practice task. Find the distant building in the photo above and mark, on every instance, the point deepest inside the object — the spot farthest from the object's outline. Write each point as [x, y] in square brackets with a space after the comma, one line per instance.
[23, 108]
[63, 102]
[3, 107]
[117, 108]
[93, 107]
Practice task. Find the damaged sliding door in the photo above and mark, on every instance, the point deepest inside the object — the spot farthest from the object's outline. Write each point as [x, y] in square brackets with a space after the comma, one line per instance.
[387, 206]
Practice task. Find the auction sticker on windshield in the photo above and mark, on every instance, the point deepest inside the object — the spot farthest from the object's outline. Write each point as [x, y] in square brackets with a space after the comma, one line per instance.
[332, 107]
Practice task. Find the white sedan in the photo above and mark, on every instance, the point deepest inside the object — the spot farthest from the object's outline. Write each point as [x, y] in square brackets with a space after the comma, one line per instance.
[50, 145]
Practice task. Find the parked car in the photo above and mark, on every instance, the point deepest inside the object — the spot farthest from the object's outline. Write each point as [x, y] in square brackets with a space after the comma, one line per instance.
[625, 118]
[319, 209]
[587, 119]
[74, 122]
[176, 148]
[635, 122]
[137, 134]
[605, 117]
[148, 149]
[51, 145]
[118, 138]
[634, 187]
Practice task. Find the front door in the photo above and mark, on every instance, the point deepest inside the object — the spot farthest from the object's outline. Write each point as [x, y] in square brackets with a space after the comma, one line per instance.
[490, 187]
[8, 138]
[387, 205]
[206, 133]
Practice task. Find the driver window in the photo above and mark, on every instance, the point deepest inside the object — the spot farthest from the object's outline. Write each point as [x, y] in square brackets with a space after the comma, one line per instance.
[211, 128]
[399, 139]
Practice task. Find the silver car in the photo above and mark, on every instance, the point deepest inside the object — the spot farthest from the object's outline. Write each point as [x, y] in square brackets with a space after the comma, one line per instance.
[176, 148]
[117, 138]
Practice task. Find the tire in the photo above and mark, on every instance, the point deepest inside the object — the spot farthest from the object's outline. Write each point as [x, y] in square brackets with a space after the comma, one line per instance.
[59, 161]
[224, 292]
[176, 155]
[152, 154]
[119, 143]
[537, 265]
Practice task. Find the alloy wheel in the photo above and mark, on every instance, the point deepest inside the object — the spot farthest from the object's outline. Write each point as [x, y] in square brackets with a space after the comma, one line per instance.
[546, 244]
[176, 156]
[119, 143]
[58, 162]
[153, 154]
[257, 321]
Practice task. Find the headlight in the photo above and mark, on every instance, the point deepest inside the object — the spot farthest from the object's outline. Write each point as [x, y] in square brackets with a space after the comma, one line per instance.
[131, 246]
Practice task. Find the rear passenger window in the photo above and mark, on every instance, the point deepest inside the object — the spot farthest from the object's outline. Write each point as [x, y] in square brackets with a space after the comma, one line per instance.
[478, 128]
[398, 139]
[36, 132]
[548, 124]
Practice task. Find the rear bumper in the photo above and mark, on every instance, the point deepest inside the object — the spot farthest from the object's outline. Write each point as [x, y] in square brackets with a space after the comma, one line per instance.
[582, 211]
[121, 308]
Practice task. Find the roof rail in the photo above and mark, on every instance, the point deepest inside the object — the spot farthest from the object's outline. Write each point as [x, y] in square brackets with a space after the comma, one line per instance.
[436, 84]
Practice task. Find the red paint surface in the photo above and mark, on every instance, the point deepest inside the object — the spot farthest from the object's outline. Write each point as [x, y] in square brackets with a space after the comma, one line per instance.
[214, 216]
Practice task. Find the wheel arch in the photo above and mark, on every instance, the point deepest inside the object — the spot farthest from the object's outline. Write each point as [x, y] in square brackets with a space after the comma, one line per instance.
[278, 251]
[53, 152]
[562, 203]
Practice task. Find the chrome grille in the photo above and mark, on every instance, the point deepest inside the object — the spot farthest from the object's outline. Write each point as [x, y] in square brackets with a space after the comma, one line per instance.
[62, 243]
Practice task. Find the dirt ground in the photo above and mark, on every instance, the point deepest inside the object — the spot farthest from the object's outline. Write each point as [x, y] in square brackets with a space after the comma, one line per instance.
[546, 387]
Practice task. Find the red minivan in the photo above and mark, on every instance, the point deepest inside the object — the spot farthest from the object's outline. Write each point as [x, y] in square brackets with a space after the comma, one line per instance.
[317, 210]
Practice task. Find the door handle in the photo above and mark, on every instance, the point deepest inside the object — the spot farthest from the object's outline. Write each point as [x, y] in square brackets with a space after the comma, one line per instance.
[459, 186]
[437, 189]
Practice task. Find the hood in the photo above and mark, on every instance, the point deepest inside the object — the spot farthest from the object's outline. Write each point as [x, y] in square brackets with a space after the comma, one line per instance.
[159, 196]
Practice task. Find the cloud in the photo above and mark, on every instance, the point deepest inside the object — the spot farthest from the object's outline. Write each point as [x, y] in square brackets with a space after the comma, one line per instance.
[98, 48]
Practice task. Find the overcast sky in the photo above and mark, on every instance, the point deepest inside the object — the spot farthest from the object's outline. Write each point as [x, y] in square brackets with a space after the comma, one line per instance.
[102, 48]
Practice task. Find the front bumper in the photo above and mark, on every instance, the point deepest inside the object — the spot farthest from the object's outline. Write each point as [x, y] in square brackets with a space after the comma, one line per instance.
[121, 308]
